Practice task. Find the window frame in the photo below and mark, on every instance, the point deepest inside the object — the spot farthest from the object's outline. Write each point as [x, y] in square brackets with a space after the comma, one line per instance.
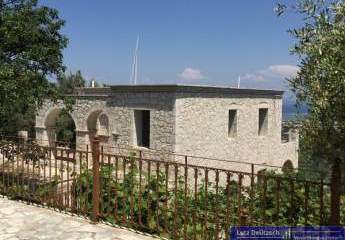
[142, 135]
[263, 122]
[232, 123]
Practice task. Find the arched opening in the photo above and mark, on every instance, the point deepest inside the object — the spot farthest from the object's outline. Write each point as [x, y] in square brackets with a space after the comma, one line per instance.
[98, 125]
[103, 125]
[61, 129]
[287, 166]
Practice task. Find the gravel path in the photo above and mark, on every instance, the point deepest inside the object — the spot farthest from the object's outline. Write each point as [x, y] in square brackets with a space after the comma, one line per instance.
[21, 221]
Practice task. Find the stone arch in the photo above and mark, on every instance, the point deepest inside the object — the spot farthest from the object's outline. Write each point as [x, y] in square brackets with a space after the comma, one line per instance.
[287, 166]
[98, 125]
[92, 120]
[50, 126]
[51, 117]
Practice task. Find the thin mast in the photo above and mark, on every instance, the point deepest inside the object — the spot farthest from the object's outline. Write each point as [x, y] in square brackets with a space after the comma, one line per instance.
[136, 62]
[239, 82]
[134, 72]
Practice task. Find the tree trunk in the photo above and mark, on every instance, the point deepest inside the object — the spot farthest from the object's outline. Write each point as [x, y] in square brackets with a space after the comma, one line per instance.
[335, 192]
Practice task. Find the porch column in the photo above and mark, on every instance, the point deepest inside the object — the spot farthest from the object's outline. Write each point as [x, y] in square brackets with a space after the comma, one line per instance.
[42, 136]
[51, 133]
[82, 139]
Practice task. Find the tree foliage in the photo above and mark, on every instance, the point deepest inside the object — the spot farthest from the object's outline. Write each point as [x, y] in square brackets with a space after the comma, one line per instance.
[30, 52]
[320, 82]
[65, 130]
[65, 126]
[67, 83]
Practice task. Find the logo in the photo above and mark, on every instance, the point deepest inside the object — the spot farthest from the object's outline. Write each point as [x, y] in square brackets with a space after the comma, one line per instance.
[288, 233]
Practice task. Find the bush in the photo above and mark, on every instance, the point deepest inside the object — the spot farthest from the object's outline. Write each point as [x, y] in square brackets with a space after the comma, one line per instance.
[208, 211]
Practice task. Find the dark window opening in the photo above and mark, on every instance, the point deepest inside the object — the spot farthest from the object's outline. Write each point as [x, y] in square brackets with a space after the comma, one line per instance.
[232, 131]
[263, 121]
[142, 127]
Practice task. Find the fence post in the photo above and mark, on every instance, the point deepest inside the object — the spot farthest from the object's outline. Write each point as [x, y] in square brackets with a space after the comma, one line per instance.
[185, 196]
[96, 182]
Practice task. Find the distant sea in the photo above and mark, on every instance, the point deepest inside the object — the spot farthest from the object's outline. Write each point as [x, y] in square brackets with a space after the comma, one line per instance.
[290, 111]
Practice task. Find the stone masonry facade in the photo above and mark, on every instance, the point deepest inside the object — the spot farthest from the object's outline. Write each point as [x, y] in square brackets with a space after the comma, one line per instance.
[202, 130]
[191, 120]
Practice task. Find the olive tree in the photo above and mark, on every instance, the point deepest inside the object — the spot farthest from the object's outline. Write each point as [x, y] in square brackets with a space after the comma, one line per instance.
[320, 83]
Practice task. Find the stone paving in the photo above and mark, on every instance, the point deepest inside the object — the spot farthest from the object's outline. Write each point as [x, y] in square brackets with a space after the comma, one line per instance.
[20, 221]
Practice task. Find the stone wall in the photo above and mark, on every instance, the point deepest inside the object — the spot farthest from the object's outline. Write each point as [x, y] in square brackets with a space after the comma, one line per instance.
[119, 108]
[202, 130]
[181, 121]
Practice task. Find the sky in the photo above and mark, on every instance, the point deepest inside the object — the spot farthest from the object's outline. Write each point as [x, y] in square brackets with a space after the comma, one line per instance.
[210, 42]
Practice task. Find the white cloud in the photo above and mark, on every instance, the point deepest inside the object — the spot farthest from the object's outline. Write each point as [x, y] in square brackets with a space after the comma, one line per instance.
[283, 70]
[191, 74]
[274, 76]
[253, 76]
[273, 71]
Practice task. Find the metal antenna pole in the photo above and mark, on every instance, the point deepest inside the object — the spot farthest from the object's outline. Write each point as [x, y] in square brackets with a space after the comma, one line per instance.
[132, 73]
[136, 62]
[134, 70]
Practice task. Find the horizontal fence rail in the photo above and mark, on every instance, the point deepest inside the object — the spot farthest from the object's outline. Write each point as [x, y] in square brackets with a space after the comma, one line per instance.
[176, 197]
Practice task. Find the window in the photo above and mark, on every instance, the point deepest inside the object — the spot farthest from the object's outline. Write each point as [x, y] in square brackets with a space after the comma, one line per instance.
[232, 123]
[142, 128]
[263, 121]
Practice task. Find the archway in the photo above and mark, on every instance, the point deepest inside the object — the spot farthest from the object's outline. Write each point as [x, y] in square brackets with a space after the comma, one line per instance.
[61, 129]
[287, 166]
[98, 125]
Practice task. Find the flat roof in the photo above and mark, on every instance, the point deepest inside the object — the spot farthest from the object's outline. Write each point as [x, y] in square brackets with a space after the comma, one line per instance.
[181, 88]
[194, 89]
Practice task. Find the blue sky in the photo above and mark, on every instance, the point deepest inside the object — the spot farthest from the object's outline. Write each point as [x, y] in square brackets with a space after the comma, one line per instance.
[182, 41]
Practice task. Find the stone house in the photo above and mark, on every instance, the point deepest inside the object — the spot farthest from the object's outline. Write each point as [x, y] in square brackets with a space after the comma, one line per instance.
[243, 125]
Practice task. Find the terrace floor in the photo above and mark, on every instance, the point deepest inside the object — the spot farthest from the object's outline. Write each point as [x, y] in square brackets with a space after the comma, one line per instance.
[26, 222]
